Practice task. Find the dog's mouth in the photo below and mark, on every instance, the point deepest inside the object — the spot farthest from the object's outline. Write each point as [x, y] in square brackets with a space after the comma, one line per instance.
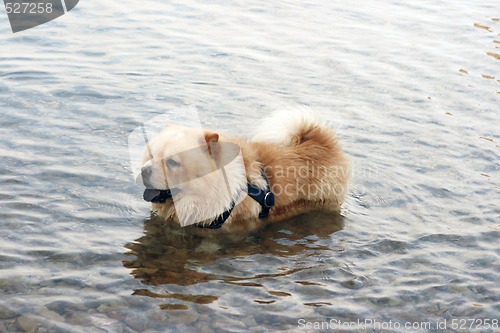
[159, 196]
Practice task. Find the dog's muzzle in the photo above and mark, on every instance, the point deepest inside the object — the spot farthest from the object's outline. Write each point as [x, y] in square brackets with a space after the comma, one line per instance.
[159, 196]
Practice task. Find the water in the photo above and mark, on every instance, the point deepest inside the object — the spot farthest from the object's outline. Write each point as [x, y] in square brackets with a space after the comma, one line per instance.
[412, 90]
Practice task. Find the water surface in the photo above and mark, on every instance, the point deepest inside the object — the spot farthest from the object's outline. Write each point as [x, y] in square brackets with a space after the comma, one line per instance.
[411, 89]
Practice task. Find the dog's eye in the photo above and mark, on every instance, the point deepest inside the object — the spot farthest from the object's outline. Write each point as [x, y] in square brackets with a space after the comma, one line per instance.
[172, 163]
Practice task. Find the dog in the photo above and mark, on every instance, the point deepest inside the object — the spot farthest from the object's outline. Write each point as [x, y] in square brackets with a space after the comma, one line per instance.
[292, 165]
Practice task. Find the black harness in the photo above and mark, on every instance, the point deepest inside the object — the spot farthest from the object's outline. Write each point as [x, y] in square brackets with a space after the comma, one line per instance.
[264, 197]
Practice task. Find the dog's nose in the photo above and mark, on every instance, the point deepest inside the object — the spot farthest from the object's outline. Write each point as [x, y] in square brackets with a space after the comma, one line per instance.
[146, 171]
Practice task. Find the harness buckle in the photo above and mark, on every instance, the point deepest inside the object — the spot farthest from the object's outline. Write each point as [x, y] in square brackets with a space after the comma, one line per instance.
[269, 199]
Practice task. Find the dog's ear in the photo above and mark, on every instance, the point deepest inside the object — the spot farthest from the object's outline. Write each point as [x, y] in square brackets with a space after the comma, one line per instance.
[211, 139]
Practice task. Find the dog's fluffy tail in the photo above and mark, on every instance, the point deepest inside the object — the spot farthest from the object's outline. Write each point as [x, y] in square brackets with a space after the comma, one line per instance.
[286, 127]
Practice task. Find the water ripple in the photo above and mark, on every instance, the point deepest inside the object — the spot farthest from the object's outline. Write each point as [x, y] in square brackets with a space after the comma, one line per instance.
[412, 90]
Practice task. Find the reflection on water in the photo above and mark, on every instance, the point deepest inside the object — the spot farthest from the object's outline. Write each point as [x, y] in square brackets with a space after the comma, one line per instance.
[168, 254]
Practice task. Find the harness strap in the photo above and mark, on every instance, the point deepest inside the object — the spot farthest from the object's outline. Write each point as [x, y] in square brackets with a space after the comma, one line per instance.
[264, 197]
[218, 222]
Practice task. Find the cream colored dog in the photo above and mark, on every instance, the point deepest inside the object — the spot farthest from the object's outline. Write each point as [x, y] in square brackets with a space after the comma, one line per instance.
[293, 164]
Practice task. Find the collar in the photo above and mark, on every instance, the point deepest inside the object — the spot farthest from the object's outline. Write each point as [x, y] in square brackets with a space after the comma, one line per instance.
[264, 197]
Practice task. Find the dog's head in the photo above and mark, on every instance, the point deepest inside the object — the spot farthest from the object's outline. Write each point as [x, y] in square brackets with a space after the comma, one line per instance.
[192, 167]
[176, 156]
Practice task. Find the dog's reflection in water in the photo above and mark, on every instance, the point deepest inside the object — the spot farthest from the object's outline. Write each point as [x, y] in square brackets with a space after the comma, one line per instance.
[167, 254]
